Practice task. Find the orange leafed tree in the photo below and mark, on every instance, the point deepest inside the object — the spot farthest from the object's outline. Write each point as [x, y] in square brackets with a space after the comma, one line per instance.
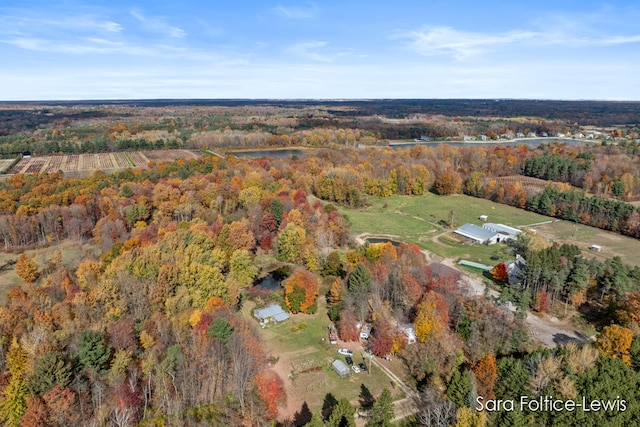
[615, 341]
[300, 290]
[486, 372]
[448, 182]
[500, 272]
[26, 268]
[347, 329]
[271, 389]
[336, 294]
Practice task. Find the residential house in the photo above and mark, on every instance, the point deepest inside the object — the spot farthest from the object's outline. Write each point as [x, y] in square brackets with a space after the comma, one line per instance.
[514, 269]
[273, 313]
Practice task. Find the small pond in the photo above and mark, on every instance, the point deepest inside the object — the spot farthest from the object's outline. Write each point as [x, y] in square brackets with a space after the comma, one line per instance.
[383, 240]
[272, 281]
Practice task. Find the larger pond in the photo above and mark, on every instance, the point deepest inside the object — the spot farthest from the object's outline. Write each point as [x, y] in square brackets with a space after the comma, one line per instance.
[268, 153]
[534, 142]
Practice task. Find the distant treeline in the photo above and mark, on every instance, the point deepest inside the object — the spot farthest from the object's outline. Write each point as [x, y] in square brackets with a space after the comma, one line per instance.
[599, 113]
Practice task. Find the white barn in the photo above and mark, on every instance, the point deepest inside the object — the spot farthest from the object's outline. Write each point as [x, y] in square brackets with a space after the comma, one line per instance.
[477, 234]
[505, 230]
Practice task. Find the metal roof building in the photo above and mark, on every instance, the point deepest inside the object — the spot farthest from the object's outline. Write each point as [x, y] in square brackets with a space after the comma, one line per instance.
[339, 366]
[477, 234]
[501, 228]
[273, 312]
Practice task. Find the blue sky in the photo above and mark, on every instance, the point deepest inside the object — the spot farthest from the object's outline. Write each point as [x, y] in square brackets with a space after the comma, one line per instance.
[324, 49]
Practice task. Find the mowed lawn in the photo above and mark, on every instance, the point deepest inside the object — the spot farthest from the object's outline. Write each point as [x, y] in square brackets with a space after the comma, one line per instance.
[310, 346]
[584, 236]
[416, 215]
[423, 220]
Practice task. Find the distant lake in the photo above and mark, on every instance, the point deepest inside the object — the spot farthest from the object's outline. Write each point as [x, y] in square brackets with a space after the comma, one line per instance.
[268, 153]
[534, 142]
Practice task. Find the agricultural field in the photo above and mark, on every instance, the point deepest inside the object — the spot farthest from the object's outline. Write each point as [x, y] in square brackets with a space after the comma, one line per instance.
[303, 357]
[526, 181]
[5, 163]
[165, 155]
[99, 161]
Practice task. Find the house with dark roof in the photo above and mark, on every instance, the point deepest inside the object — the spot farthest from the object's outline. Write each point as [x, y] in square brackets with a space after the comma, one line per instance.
[514, 269]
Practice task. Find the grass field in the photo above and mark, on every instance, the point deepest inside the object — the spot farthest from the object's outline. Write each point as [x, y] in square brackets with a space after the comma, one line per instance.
[72, 254]
[424, 221]
[583, 236]
[309, 347]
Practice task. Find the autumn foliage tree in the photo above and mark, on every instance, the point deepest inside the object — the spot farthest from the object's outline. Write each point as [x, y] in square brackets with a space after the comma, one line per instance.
[448, 182]
[381, 338]
[26, 268]
[615, 341]
[499, 272]
[301, 290]
[271, 389]
[431, 316]
[486, 373]
[347, 330]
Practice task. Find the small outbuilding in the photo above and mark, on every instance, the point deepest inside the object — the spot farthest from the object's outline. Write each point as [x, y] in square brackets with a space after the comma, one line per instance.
[365, 332]
[273, 313]
[340, 368]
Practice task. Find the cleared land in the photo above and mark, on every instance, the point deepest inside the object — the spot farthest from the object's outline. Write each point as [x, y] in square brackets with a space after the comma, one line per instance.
[102, 161]
[584, 236]
[424, 221]
[5, 163]
[303, 361]
[72, 254]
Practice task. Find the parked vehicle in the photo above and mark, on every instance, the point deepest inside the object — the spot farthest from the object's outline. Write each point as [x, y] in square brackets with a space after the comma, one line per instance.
[362, 366]
[345, 352]
[349, 360]
[355, 369]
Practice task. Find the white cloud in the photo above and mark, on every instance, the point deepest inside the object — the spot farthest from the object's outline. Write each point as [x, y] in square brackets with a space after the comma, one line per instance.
[310, 50]
[296, 12]
[157, 24]
[460, 44]
[20, 24]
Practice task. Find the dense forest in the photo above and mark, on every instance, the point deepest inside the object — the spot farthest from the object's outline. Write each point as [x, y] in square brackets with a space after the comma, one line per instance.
[64, 127]
[148, 328]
